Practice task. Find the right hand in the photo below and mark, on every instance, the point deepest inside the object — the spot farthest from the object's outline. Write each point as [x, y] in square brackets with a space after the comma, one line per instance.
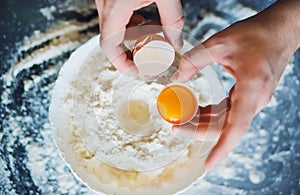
[114, 15]
[255, 52]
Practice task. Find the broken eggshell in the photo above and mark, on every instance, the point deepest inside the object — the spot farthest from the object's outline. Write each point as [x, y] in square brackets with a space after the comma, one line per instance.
[153, 54]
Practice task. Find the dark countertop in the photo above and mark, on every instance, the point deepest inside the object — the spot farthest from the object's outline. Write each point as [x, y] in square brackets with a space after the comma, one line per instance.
[267, 161]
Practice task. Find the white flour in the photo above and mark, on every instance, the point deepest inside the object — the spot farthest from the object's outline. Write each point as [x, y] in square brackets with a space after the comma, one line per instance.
[100, 95]
[141, 152]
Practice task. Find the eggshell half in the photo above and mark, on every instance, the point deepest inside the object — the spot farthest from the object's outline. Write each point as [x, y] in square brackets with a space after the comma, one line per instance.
[153, 54]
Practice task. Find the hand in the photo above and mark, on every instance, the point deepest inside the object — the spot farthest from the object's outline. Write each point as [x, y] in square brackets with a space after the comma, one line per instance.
[255, 52]
[114, 15]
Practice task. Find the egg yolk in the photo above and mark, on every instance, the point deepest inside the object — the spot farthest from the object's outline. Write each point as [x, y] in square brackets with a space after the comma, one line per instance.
[177, 104]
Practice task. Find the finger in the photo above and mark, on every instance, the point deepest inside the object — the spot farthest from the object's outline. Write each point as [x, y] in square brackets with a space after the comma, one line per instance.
[191, 62]
[199, 57]
[187, 130]
[118, 55]
[208, 132]
[215, 115]
[99, 6]
[211, 113]
[205, 133]
[114, 20]
[172, 19]
[243, 108]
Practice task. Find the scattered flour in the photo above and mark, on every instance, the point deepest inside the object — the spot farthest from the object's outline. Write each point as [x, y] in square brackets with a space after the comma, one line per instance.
[256, 176]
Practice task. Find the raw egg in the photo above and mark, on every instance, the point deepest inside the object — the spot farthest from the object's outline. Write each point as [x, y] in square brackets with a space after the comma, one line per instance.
[177, 104]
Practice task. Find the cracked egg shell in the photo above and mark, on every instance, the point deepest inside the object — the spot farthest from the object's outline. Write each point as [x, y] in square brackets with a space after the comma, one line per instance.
[153, 54]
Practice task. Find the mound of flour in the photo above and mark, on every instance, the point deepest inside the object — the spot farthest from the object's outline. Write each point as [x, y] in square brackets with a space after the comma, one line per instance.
[103, 120]
[108, 130]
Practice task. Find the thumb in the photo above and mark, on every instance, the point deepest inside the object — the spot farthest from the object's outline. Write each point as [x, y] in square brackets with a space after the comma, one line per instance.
[191, 62]
[172, 19]
[244, 101]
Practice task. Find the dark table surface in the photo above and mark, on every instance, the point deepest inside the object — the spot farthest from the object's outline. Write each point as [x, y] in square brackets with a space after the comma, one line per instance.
[267, 161]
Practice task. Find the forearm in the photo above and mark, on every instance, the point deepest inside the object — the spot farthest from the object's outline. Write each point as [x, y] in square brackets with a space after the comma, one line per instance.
[278, 28]
[283, 18]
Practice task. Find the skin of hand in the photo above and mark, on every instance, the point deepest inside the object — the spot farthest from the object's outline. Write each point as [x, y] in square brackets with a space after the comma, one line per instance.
[255, 52]
[114, 15]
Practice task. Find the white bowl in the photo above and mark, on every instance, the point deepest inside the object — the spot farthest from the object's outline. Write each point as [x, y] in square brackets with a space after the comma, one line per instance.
[105, 178]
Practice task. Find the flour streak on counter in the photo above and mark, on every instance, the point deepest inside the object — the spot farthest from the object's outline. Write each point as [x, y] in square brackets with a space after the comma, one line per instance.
[29, 160]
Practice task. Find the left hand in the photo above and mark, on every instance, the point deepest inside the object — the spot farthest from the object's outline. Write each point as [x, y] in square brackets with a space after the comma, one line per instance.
[115, 15]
